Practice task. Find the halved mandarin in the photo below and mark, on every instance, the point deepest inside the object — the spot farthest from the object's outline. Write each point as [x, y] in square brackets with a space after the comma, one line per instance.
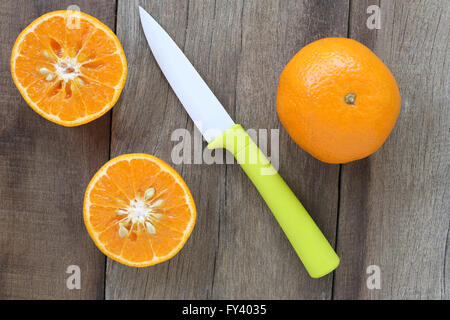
[69, 67]
[138, 210]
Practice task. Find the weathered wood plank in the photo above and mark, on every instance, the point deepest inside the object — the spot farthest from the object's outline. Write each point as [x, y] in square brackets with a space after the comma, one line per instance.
[395, 205]
[254, 258]
[237, 250]
[44, 170]
[144, 122]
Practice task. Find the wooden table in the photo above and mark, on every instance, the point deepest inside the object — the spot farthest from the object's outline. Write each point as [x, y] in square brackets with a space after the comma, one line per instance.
[391, 210]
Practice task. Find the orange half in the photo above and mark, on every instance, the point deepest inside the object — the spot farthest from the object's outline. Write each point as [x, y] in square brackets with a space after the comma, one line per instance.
[69, 67]
[138, 210]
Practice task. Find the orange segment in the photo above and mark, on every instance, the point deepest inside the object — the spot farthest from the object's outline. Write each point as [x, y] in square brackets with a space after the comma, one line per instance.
[97, 46]
[69, 67]
[139, 168]
[106, 193]
[95, 94]
[76, 38]
[102, 217]
[138, 248]
[27, 73]
[32, 48]
[164, 241]
[104, 70]
[138, 210]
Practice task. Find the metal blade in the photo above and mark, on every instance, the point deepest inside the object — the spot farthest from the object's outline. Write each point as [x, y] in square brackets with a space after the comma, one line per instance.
[201, 104]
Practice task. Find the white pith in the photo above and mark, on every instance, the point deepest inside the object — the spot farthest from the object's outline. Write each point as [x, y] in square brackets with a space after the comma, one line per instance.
[141, 213]
[67, 64]
[66, 69]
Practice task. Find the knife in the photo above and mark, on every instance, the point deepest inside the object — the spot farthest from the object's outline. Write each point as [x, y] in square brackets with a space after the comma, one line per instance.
[220, 131]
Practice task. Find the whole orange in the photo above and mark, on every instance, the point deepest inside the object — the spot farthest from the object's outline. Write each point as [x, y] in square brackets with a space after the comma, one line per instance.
[337, 100]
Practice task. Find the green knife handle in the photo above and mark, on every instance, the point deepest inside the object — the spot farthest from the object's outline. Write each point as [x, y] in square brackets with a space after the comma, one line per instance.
[308, 241]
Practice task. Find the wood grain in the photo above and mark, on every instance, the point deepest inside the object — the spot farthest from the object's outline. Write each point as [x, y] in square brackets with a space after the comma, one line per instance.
[395, 205]
[44, 170]
[390, 210]
[237, 249]
[254, 258]
[144, 122]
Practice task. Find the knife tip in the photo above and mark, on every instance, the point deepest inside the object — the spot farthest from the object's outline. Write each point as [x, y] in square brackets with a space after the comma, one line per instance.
[141, 10]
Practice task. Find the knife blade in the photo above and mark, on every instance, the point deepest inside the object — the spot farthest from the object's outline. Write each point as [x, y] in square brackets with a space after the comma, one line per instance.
[220, 131]
[201, 104]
